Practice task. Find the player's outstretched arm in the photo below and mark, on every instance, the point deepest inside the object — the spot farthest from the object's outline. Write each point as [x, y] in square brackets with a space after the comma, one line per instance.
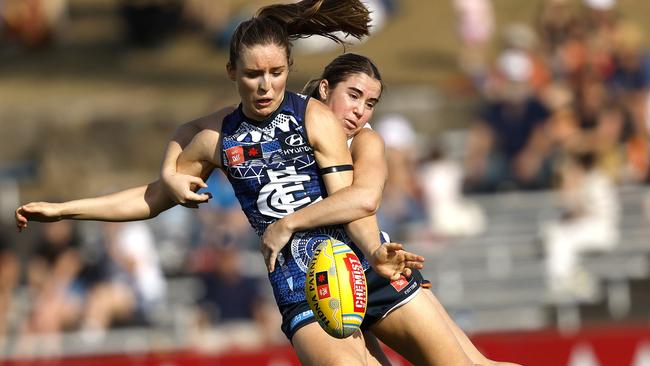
[200, 156]
[128, 205]
[180, 187]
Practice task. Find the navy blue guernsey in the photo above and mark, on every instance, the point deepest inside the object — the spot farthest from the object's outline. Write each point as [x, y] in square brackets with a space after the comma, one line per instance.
[273, 172]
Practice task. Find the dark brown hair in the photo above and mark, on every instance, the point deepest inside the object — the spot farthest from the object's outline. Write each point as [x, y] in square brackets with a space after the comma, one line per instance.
[340, 69]
[280, 23]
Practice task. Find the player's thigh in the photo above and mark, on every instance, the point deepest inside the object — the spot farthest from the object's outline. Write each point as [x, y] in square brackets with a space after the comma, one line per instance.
[418, 332]
[466, 344]
[317, 348]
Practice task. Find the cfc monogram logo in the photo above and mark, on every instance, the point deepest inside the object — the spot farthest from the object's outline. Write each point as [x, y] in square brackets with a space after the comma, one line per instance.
[277, 198]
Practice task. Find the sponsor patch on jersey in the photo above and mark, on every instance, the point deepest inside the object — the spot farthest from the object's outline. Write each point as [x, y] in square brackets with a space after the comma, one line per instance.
[294, 144]
[238, 154]
[252, 151]
[322, 285]
[399, 283]
[294, 139]
[235, 155]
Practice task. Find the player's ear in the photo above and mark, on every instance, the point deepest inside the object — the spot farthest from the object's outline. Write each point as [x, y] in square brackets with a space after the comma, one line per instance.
[323, 89]
[232, 71]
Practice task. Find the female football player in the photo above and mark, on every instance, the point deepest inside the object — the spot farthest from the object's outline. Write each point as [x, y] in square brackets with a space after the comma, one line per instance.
[351, 86]
[281, 151]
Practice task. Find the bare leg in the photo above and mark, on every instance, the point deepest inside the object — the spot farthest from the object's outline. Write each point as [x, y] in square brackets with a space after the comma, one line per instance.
[317, 348]
[419, 333]
[468, 347]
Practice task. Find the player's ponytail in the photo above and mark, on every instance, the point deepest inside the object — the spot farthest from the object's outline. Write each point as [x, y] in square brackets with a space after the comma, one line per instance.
[320, 17]
[279, 24]
[311, 88]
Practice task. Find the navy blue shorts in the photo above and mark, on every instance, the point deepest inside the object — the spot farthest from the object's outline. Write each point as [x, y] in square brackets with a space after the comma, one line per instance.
[383, 297]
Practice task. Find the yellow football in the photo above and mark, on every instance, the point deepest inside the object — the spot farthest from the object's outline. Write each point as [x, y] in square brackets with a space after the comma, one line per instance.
[336, 288]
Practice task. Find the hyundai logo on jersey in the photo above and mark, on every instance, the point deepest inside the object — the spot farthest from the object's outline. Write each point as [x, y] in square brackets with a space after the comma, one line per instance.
[294, 144]
[294, 140]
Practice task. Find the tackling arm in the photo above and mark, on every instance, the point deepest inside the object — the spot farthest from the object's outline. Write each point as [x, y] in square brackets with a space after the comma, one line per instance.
[330, 149]
[128, 205]
[180, 186]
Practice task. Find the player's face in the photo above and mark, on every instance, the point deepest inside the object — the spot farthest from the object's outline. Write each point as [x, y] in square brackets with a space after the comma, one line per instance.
[352, 100]
[261, 76]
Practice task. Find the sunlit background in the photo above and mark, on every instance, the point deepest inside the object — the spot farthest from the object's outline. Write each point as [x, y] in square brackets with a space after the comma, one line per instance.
[518, 143]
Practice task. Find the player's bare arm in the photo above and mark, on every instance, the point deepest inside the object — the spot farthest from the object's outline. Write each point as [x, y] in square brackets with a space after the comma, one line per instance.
[201, 155]
[177, 185]
[330, 149]
[357, 201]
[131, 204]
[128, 205]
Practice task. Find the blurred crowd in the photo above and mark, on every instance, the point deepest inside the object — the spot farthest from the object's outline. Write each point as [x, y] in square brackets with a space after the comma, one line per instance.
[575, 85]
[564, 105]
[86, 278]
[35, 24]
[32, 23]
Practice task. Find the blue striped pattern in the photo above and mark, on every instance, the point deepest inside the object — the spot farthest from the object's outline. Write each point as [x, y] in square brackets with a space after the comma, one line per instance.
[352, 320]
[340, 247]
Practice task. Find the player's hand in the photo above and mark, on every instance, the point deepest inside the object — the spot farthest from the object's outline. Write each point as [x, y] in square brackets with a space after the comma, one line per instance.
[390, 260]
[37, 211]
[180, 188]
[275, 237]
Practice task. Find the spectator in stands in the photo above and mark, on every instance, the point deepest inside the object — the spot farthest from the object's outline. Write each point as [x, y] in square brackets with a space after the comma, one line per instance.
[557, 19]
[600, 16]
[629, 83]
[9, 271]
[211, 20]
[232, 310]
[134, 286]
[401, 203]
[150, 22]
[602, 123]
[475, 27]
[33, 23]
[520, 37]
[589, 223]
[509, 145]
[56, 294]
[449, 213]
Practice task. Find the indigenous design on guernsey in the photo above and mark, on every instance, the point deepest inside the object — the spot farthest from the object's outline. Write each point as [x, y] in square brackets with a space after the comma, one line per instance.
[274, 173]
